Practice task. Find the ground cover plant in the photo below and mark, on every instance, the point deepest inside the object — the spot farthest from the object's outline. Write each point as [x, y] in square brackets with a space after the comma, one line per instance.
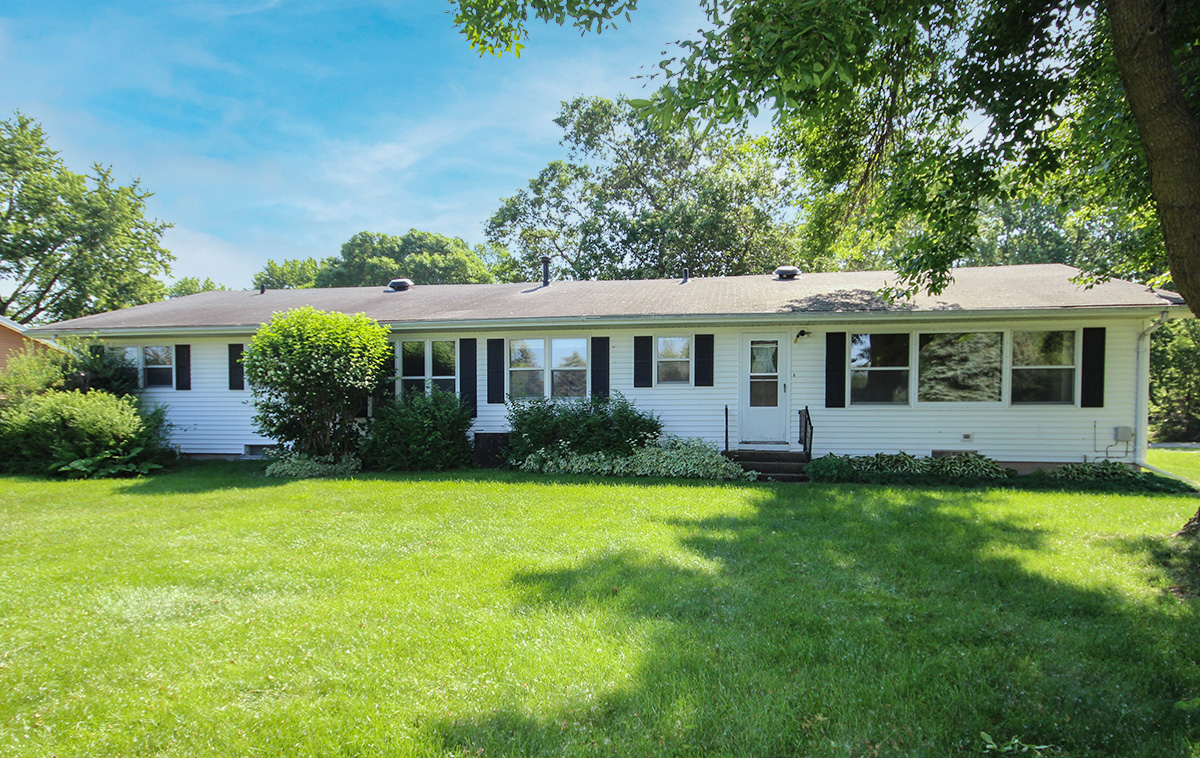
[213, 611]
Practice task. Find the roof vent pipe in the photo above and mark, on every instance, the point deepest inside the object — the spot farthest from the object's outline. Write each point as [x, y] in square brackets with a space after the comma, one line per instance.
[400, 285]
[262, 289]
[545, 271]
[685, 276]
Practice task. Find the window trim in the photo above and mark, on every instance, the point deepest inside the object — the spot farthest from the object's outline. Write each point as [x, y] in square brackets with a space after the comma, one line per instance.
[1007, 368]
[1076, 367]
[547, 368]
[139, 354]
[851, 368]
[428, 377]
[691, 359]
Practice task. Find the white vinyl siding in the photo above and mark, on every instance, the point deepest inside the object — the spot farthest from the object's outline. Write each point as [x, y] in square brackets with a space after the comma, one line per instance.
[213, 419]
[210, 419]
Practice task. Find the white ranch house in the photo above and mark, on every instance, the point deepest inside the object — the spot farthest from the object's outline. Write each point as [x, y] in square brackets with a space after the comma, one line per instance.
[1017, 362]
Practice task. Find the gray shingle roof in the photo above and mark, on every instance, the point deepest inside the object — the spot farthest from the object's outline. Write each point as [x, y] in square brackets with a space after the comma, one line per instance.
[997, 288]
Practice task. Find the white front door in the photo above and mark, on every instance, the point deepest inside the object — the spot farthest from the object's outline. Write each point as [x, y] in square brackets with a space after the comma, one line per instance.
[763, 388]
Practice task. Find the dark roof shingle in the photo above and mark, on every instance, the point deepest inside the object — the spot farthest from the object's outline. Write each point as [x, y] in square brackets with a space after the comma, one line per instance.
[1045, 286]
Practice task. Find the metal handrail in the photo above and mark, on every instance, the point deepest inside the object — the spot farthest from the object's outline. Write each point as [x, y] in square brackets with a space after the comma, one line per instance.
[806, 431]
[727, 428]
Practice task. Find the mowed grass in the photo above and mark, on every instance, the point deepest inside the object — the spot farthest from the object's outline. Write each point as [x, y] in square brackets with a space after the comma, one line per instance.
[1182, 462]
[211, 611]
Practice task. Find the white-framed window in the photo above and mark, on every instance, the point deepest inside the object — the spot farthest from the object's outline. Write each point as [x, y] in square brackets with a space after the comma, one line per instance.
[673, 360]
[153, 364]
[879, 368]
[1044, 367]
[425, 364]
[158, 366]
[958, 367]
[548, 367]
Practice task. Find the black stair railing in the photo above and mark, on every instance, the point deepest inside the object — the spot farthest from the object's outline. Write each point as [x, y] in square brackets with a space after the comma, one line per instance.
[806, 431]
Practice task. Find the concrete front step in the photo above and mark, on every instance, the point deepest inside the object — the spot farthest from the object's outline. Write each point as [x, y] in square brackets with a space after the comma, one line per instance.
[772, 465]
[777, 456]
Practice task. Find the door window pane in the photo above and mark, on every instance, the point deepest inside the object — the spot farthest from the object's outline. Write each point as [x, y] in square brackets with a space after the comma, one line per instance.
[764, 393]
[764, 357]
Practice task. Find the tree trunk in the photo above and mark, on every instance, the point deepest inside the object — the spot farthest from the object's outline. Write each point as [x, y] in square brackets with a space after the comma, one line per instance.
[1171, 138]
[1169, 133]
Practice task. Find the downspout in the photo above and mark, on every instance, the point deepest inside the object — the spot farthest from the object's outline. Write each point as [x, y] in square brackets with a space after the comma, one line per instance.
[1142, 402]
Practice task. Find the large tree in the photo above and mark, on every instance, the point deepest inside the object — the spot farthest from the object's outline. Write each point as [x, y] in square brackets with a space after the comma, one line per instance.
[370, 258]
[912, 113]
[70, 245]
[634, 201]
[193, 285]
[298, 273]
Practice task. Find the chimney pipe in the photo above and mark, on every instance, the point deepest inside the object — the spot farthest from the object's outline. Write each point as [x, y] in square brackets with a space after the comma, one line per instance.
[545, 271]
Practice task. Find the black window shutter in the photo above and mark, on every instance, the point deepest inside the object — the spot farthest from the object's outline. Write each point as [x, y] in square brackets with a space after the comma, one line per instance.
[835, 369]
[1092, 385]
[237, 375]
[599, 366]
[704, 360]
[183, 367]
[643, 362]
[468, 380]
[495, 371]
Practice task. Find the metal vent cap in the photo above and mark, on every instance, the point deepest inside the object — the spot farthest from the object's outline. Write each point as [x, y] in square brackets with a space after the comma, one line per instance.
[399, 285]
[787, 272]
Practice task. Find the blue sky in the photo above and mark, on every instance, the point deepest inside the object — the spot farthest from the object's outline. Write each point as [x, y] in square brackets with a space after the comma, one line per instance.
[279, 128]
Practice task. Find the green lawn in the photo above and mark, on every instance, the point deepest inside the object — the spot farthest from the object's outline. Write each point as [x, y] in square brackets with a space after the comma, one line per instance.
[1183, 463]
[211, 611]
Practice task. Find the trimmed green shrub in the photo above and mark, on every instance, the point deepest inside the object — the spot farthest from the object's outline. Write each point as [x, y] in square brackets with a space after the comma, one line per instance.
[610, 425]
[419, 432]
[312, 372]
[673, 457]
[93, 434]
[291, 465]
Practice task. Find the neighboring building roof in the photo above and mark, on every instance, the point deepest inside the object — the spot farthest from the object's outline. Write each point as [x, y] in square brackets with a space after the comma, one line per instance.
[974, 290]
[8, 322]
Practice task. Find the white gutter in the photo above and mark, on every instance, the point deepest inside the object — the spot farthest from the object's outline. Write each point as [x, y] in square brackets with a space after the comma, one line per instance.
[1141, 412]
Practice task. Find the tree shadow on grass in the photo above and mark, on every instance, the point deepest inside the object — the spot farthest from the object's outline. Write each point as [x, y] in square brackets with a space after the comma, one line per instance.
[858, 621]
